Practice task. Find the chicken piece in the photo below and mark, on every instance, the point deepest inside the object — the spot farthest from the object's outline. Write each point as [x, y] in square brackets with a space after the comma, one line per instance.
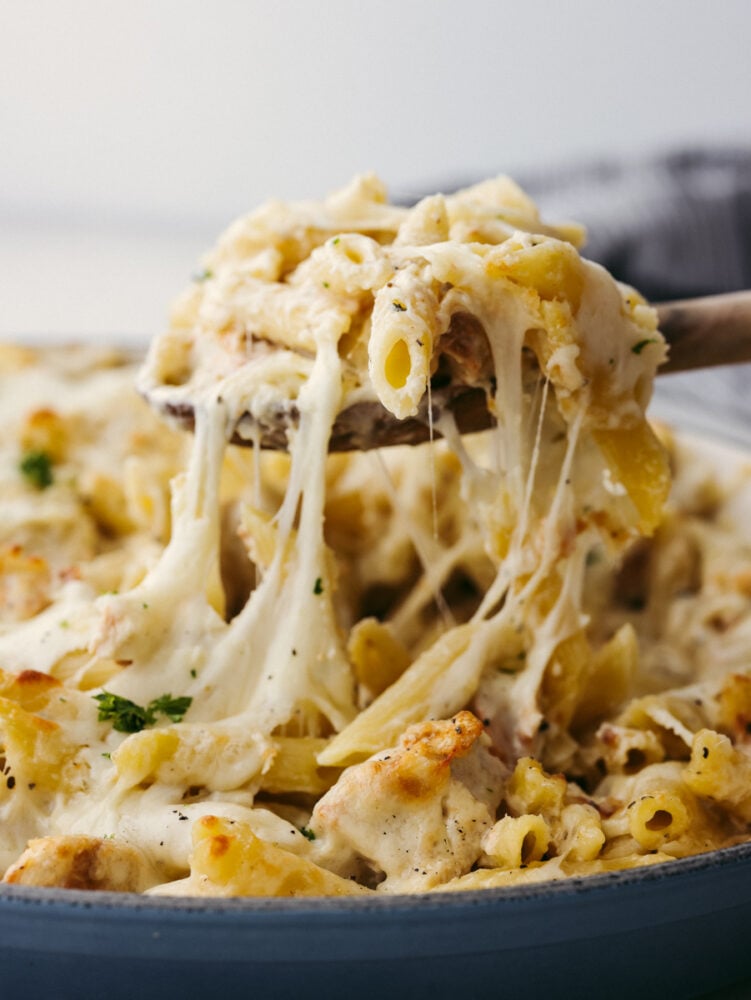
[417, 813]
[81, 862]
[25, 585]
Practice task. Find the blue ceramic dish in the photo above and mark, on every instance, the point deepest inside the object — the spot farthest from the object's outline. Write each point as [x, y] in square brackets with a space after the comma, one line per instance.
[668, 931]
[674, 930]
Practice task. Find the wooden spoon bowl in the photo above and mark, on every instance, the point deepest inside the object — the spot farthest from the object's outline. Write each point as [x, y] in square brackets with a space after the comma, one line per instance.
[701, 333]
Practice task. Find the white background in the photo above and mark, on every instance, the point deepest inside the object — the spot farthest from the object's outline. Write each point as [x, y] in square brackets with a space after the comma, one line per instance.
[131, 132]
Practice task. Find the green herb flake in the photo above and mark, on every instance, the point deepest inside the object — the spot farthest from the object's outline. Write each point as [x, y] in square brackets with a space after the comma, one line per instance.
[36, 468]
[318, 586]
[124, 714]
[193, 673]
[326, 284]
[335, 240]
[398, 306]
[206, 275]
[128, 717]
[638, 348]
[107, 755]
[173, 708]
[308, 834]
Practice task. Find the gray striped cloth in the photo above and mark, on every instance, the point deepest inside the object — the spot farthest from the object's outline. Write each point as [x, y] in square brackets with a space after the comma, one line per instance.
[674, 227]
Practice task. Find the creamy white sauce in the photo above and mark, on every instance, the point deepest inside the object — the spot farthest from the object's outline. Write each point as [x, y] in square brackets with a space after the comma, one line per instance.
[281, 663]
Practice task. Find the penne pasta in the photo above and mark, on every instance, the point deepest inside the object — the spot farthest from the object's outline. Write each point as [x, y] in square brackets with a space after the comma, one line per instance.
[486, 660]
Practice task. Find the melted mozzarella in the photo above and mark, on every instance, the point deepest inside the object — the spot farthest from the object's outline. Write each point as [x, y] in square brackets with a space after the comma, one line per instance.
[304, 311]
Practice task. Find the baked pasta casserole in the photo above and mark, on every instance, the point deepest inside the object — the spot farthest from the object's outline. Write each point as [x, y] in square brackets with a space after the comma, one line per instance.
[487, 659]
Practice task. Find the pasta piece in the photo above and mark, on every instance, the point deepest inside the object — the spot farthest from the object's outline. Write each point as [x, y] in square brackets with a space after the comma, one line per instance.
[720, 772]
[105, 499]
[377, 656]
[497, 878]
[349, 264]
[609, 678]
[734, 700]
[548, 871]
[658, 817]
[218, 758]
[664, 813]
[516, 841]
[261, 536]
[427, 223]
[637, 460]
[228, 859]
[674, 718]
[31, 689]
[552, 270]
[531, 790]
[295, 767]
[564, 676]
[36, 752]
[623, 750]
[405, 325]
[25, 585]
[405, 702]
[578, 834]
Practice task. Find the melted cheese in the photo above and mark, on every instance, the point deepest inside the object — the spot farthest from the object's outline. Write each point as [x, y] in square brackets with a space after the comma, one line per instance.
[474, 552]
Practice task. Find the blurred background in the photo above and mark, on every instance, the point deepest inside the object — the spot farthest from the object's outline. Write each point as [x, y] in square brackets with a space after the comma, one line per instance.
[132, 133]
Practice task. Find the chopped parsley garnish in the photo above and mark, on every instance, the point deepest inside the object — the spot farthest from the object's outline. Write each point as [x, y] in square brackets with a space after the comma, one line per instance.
[128, 717]
[308, 834]
[204, 275]
[173, 708]
[36, 467]
[638, 348]
[318, 586]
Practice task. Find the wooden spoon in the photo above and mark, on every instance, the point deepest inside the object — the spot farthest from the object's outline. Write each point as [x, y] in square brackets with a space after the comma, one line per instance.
[701, 333]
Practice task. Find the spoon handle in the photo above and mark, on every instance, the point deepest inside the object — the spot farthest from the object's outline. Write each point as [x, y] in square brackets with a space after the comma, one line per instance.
[715, 330]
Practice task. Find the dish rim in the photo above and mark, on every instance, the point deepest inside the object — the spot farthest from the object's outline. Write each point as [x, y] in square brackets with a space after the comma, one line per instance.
[553, 889]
